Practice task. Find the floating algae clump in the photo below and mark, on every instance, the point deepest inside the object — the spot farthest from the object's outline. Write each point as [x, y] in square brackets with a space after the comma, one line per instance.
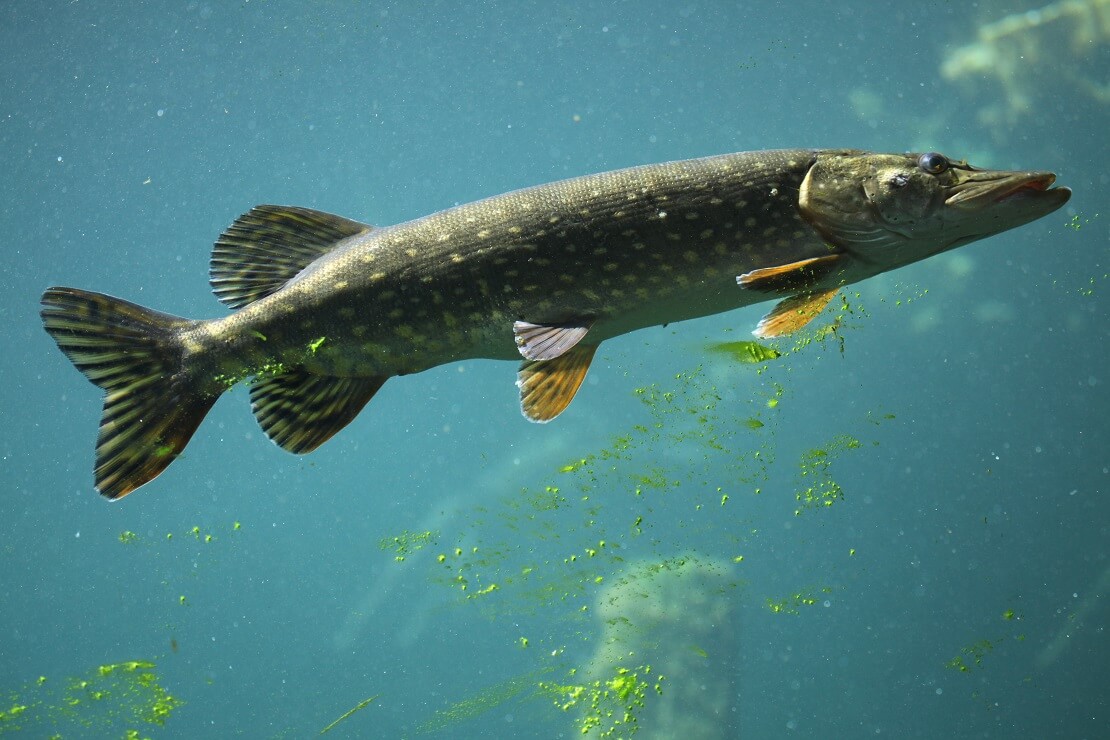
[664, 660]
[110, 700]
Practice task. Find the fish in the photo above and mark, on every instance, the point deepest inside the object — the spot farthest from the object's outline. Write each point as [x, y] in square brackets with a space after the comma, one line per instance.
[326, 309]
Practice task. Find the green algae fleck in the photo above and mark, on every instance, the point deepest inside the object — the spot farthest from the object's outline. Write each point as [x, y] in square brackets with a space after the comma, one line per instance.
[748, 353]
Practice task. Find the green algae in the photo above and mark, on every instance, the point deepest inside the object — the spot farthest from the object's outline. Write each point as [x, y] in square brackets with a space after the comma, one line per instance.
[407, 542]
[609, 706]
[746, 353]
[112, 699]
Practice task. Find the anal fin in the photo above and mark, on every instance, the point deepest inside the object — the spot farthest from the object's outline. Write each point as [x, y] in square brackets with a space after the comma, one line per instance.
[791, 314]
[299, 410]
[548, 386]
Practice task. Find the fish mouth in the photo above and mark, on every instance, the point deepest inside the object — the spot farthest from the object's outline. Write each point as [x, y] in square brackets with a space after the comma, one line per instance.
[983, 188]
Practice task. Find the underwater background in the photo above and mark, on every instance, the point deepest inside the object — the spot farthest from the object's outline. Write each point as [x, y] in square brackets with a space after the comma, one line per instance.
[899, 526]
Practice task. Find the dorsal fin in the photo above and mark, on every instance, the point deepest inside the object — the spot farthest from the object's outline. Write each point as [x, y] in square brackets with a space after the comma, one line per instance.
[267, 246]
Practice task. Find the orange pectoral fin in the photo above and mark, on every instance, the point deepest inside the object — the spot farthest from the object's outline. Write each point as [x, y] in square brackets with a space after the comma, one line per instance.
[790, 277]
[792, 314]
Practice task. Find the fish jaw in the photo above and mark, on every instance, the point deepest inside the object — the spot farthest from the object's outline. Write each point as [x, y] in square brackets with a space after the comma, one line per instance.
[891, 210]
[993, 201]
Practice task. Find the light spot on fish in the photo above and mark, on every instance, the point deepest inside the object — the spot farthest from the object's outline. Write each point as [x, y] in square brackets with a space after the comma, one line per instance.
[368, 258]
[340, 285]
[600, 251]
[690, 256]
[553, 220]
[611, 266]
[444, 236]
[515, 229]
[358, 330]
[411, 252]
[347, 312]
[692, 216]
[707, 234]
[774, 192]
[715, 201]
[377, 276]
[674, 236]
[483, 234]
[456, 257]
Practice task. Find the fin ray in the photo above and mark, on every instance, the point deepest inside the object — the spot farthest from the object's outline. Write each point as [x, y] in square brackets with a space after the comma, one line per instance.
[299, 410]
[790, 277]
[791, 314]
[151, 407]
[547, 341]
[268, 246]
[548, 386]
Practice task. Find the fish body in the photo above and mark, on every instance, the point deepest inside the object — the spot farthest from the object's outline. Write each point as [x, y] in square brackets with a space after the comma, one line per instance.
[329, 308]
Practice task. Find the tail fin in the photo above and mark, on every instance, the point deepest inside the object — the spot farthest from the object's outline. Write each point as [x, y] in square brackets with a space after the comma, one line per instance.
[151, 405]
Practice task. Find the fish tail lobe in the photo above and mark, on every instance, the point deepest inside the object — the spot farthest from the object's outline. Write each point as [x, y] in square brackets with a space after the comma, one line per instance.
[152, 405]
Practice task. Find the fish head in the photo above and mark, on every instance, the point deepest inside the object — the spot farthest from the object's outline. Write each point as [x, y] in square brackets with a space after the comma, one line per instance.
[889, 210]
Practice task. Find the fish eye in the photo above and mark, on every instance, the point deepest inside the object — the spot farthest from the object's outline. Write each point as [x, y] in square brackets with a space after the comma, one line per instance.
[933, 162]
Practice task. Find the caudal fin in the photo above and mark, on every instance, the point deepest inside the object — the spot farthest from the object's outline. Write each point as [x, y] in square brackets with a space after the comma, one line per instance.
[151, 406]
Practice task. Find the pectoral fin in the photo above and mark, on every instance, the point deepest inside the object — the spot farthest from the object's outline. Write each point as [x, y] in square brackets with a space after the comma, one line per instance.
[547, 387]
[548, 341]
[791, 277]
[793, 313]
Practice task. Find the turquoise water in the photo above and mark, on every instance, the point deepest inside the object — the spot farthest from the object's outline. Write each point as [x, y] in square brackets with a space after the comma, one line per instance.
[913, 544]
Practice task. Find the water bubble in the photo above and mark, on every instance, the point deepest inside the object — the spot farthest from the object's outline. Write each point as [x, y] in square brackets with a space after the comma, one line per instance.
[161, 112]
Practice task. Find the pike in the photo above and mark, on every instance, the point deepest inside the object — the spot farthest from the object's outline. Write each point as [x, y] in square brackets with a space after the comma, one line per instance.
[329, 308]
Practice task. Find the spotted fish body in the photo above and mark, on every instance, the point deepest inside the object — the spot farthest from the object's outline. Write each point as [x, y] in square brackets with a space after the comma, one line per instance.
[329, 308]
